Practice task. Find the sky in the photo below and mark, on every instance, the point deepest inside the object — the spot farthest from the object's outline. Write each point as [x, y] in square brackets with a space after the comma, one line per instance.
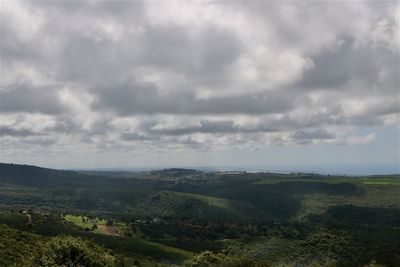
[291, 85]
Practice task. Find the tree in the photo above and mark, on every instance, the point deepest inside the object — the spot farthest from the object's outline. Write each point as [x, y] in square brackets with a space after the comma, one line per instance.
[72, 252]
[208, 259]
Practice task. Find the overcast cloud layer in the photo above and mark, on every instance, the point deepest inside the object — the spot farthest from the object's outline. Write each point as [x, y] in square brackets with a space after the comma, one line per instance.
[130, 82]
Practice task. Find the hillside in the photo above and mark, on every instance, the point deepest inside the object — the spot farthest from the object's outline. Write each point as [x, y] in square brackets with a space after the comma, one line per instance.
[13, 242]
[34, 176]
[173, 216]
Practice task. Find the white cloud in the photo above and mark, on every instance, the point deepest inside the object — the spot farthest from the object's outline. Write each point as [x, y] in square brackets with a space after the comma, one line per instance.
[197, 75]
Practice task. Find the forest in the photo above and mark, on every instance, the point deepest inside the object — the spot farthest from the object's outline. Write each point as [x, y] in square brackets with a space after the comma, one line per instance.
[187, 217]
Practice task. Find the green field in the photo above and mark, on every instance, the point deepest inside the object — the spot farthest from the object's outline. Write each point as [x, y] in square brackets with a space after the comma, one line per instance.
[87, 223]
[84, 222]
[380, 180]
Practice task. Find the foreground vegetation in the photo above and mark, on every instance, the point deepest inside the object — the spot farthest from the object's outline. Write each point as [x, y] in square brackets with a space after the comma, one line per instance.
[192, 218]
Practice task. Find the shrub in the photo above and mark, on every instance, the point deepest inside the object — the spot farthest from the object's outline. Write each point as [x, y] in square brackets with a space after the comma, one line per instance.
[70, 251]
[207, 258]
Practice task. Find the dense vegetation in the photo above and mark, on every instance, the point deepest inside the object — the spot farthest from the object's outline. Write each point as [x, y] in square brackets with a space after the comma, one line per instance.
[193, 218]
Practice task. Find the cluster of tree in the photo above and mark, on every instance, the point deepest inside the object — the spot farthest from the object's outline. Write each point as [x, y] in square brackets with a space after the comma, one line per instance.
[69, 251]
[196, 211]
[210, 259]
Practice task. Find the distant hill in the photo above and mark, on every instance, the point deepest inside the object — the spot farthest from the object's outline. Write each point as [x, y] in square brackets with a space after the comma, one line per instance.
[34, 176]
[176, 172]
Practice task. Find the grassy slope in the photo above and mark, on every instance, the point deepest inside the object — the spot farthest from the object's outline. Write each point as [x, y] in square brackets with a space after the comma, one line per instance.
[15, 245]
[212, 201]
[140, 249]
[13, 241]
[127, 245]
[381, 180]
[274, 250]
[379, 191]
[375, 196]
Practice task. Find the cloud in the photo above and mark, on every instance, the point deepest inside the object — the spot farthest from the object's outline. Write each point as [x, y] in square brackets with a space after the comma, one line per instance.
[352, 61]
[309, 135]
[22, 98]
[9, 131]
[359, 139]
[145, 76]
[139, 98]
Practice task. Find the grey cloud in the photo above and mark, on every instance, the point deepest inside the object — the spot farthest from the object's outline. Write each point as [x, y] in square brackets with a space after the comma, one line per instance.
[22, 98]
[84, 59]
[10, 131]
[40, 141]
[132, 10]
[136, 137]
[89, 56]
[300, 128]
[312, 134]
[202, 56]
[350, 61]
[64, 125]
[359, 121]
[72, 45]
[145, 98]
[202, 59]
[67, 126]
[387, 106]
[101, 127]
[152, 69]
[219, 127]
[203, 127]
[13, 50]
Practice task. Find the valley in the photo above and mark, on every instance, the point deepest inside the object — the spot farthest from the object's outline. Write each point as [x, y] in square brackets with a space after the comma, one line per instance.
[193, 218]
